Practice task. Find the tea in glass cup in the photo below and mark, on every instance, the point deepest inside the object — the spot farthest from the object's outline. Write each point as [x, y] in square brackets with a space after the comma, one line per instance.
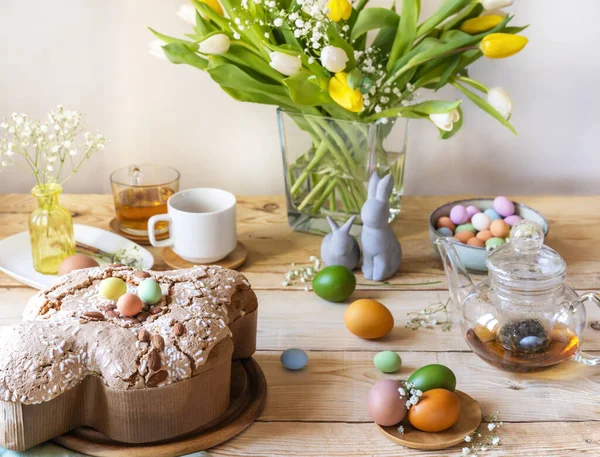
[140, 192]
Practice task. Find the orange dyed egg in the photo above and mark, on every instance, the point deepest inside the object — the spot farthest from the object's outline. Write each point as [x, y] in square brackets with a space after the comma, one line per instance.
[484, 235]
[499, 228]
[368, 319]
[463, 237]
[129, 304]
[445, 222]
[437, 410]
[476, 242]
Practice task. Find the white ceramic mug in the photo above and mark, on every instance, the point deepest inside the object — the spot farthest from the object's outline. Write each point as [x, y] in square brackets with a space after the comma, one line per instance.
[201, 225]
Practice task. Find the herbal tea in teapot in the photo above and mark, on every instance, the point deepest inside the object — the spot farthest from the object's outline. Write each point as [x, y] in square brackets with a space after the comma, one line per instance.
[523, 317]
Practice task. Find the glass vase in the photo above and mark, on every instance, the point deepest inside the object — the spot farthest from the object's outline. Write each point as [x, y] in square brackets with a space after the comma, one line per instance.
[50, 230]
[328, 162]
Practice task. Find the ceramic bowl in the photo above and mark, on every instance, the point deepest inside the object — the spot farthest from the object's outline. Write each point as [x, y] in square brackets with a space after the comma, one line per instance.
[474, 257]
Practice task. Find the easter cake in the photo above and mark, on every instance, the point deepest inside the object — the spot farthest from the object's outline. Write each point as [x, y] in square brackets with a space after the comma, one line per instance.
[78, 361]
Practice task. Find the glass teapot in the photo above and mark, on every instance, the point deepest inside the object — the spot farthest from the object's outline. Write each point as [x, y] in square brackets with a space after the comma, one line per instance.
[524, 317]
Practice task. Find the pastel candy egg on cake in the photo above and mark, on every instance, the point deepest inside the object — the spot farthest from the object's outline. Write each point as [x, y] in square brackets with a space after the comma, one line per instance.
[112, 288]
[129, 305]
[149, 291]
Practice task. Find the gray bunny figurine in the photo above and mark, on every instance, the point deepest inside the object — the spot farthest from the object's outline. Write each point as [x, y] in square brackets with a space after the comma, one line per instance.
[339, 247]
[381, 249]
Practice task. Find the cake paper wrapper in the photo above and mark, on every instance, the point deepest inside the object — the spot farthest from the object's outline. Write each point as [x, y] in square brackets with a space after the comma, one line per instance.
[134, 416]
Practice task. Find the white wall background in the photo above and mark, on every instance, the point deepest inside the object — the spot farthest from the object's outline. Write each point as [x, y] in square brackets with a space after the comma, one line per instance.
[92, 55]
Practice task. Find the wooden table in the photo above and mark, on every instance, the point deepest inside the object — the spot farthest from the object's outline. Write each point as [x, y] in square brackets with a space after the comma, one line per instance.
[321, 410]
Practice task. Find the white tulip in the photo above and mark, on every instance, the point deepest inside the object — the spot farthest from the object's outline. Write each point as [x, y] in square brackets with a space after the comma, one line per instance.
[215, 44]
[187, 13]
[334, 58]
[285, 63]
[500, 101]
[445, 121]
[155, 49]
[495, 4]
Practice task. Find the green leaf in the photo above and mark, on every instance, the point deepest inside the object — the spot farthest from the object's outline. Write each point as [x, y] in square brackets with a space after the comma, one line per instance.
[484, 105]
[420, 110]
[473, 83]
[354, 78]
[242, 56]
[470, 11]
[306, 91]
[373, 19]
[455, 127]
[514, 30]
[407, 31]
[169, 40]
[206, 11]
[179, 53]
[448, 8]
[448, 72]
[385, 39]
[203, 27]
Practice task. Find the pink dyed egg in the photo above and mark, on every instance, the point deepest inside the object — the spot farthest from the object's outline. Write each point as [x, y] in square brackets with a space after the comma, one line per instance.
[458, 214]
[129, 305]
[512, 220]
[384, 403]
[504, 206]
[472, 210]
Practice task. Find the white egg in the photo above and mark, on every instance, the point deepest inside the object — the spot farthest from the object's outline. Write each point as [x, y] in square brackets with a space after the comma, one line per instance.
[481, 221]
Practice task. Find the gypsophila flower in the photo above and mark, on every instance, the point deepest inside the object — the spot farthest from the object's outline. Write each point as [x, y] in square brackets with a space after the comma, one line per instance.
[467, 438]
[491, 427]
[466, 450]
[496, 440]
[400, 429]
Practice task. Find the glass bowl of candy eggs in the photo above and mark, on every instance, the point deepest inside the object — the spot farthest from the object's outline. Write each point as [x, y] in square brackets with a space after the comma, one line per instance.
[479, 225]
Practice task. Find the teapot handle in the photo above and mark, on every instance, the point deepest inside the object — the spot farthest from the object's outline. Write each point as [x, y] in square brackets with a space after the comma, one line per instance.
[582, 357]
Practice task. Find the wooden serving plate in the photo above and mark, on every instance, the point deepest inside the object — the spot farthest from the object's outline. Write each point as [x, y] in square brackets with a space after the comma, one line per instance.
[248, 397]
[234, 260]
[469, 421]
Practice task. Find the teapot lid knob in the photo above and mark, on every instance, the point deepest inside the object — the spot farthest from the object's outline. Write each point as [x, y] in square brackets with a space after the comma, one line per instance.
[527, 236]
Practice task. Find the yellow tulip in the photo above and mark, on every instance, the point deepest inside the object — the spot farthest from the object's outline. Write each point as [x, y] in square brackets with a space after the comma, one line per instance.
[215, 5]
[343, 95]
[481, 24]
[339, 9]
[501, 45]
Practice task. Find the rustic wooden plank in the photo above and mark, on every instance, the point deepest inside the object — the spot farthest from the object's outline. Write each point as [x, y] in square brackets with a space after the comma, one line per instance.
[333, 387]
[262, 226]
[301, 319]
[302, 439]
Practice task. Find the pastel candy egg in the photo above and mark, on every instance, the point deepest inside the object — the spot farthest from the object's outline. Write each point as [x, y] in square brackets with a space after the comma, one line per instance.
[493, 243]
[465, 228]
[386, 407]
[445, 231]
[472, 210]
[112, 288]
[445, 221]
[294, 359]
[476, 242]
[458, 214]
[512, 220]
[463, 237]
[149, 291]
[499, 228]
[387, 361]
[484, 235]
[493, 215]
[129, 304]
[504, 207]
[481, 221]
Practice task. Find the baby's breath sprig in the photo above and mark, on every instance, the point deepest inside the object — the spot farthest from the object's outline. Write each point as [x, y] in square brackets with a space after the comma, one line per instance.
[303, 273]
[408, 391]
[426, 318]
[478, 442]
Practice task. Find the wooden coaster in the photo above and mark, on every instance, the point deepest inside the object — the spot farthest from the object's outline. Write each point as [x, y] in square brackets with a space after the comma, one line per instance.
[140, 239]
[248, 397]
[232, 261]
[469, 421]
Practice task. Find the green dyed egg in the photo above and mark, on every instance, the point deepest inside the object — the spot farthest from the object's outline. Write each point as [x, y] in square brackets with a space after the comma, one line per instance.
[494, 242]
[112, 288]
[334, 283]
[387, 361]
[433, 377]
[465, 228]
[149, 291]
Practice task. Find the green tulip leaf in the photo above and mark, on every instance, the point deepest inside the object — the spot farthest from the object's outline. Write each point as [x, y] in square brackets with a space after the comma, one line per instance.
[470, 11]
[373, 19]
[385, 39]
[203, 27]
[242, 56]
[448, 8]
[306, 91]
[354, 78]
[484, 105]
[420, 110]
[448, 71]
[179, 53]
[170, 40]
[407, 31]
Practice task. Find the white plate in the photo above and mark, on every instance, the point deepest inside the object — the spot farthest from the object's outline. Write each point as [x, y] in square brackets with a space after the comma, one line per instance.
[16, 262]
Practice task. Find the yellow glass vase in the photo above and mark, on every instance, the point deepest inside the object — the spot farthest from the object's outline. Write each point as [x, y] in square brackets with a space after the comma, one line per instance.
[50, 230]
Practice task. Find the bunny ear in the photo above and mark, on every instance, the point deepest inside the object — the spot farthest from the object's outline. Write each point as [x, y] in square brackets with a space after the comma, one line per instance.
[384, 188]
[373, 184]
[332, 224]
[348, 224]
